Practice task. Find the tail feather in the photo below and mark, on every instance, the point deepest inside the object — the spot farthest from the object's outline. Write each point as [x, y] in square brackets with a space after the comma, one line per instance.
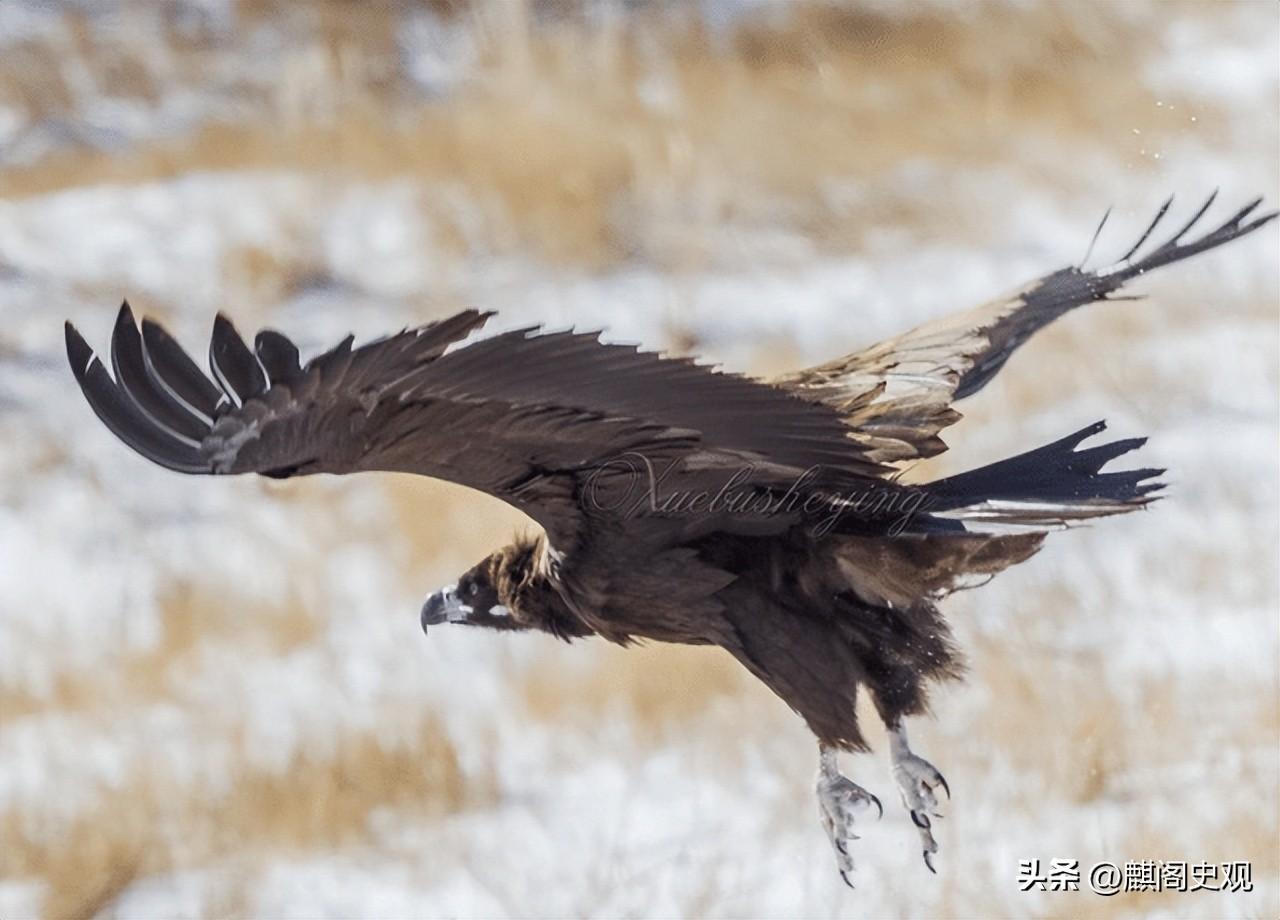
[1051, 486]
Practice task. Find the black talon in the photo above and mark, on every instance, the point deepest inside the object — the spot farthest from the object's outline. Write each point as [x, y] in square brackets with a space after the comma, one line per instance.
[878, 806]
[928, 861]
[845, 875]
[942, 781]
[920, 820]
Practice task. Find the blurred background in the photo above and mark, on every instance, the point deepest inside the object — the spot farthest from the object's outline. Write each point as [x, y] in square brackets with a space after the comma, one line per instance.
[215, 697]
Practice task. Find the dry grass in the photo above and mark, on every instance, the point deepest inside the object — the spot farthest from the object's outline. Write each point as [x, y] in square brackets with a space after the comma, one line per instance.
[189, 616]
[573, 155]
[449, 526]
[654, 689]
[265, 275]
[158, 821]
[1238, 835]
[1093, 738]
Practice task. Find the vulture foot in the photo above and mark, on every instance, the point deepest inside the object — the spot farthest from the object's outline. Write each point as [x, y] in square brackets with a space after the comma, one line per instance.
[841, 802]
[918, 781]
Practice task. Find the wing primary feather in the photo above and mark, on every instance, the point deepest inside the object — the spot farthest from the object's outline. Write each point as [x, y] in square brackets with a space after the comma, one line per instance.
[129, 363]
[1155, 221]
[234, 366]
[1240, 215]
[172, 368]
[119, 413]
[278, 356]
[1231, 229]
[1093, 242]
[1195, 218]
[79, 354]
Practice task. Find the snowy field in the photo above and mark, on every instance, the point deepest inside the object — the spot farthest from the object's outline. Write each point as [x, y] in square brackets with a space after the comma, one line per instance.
[215, 699]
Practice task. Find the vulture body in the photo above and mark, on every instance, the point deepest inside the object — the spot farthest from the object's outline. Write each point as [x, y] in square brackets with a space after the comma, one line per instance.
[678, 503]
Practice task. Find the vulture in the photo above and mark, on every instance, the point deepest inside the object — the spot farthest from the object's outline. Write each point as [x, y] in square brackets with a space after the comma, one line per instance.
[676, 502]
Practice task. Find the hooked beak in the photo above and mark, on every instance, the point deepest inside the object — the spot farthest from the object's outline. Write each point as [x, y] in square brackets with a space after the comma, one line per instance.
[444, 607]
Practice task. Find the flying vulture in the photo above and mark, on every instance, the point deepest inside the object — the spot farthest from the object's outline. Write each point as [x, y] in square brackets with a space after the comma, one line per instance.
[679, 503]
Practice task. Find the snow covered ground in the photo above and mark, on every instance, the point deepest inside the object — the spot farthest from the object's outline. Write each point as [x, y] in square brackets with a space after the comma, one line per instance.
[215, 696]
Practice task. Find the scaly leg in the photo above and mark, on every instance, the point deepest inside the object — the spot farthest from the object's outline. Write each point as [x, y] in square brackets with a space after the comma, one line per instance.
[840, 802]
[917, 779]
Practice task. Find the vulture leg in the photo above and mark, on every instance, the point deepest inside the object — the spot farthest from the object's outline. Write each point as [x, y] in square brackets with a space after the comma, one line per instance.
[917, 780]
[840, 803]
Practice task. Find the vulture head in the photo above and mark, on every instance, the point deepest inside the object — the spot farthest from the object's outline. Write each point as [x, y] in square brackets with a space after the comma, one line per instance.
[507, 590]
[473, 600]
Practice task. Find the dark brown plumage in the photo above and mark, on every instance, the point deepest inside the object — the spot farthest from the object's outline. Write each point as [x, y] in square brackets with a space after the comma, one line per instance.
[679, 504]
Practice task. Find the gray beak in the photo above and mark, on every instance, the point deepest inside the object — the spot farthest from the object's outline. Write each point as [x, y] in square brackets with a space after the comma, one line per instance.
[443, 607]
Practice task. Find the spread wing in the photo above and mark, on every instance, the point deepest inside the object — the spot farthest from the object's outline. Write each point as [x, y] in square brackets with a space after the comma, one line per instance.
[520, 415]
[898, 394]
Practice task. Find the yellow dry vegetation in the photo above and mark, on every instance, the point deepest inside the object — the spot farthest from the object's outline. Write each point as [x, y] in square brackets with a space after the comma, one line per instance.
[566, 133]
[654, 689]
[157, 821]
